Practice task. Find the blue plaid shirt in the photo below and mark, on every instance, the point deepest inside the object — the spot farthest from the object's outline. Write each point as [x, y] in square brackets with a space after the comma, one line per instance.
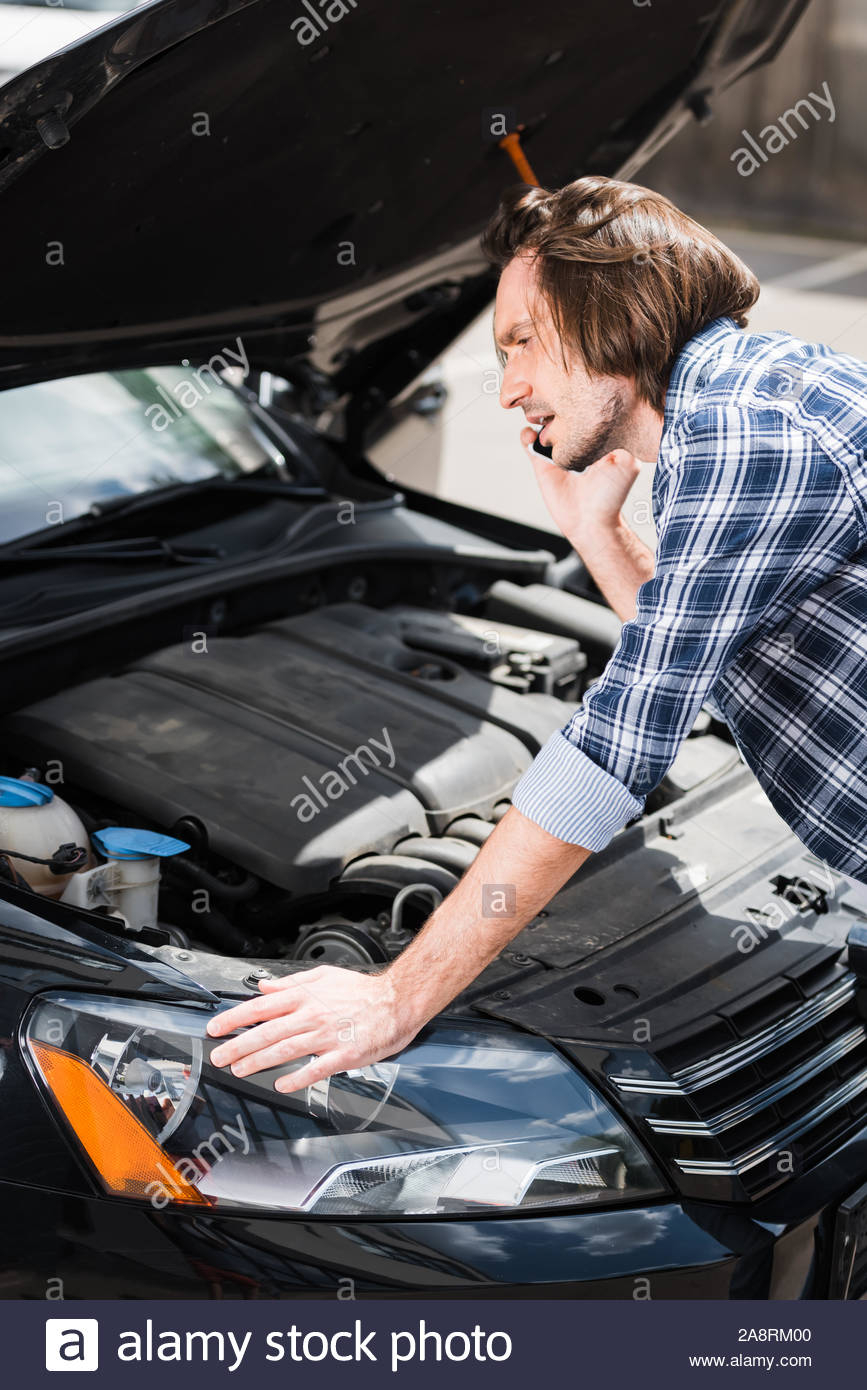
[757, 607]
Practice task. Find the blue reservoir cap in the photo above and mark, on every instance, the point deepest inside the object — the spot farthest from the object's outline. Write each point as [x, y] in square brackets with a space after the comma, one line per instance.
[123, 842]
[14, 792]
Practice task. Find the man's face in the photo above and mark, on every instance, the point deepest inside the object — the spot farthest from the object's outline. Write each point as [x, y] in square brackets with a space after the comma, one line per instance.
[584, 417]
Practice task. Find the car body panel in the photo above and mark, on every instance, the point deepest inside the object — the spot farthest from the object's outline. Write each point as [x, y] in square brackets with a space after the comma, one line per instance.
[246, 199]
[57, 1227]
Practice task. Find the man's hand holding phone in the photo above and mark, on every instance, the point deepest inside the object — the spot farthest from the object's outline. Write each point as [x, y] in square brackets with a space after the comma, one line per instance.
[586, 507]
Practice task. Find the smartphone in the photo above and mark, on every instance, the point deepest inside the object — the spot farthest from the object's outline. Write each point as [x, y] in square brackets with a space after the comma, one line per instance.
[543, 450]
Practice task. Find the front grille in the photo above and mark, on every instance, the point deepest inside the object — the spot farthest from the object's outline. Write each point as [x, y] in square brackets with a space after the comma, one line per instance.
[768, 1104]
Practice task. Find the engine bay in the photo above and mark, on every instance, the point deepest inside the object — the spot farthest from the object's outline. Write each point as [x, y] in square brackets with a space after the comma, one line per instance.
[333, 772]
[304, 789]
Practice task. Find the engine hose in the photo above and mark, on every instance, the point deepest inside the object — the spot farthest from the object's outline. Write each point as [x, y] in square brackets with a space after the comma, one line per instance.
[235, 892]
[391, 871]
[216, 928]
[471, 828]
[426, 890]
[451, 854]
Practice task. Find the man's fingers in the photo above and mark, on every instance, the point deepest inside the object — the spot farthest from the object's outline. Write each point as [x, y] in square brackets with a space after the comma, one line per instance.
[262, 1036]
[258, 1010]
[277, 997]
[293, 1020]
[315, 1070]
[548, 473]
[301, 977]
[279, 1054]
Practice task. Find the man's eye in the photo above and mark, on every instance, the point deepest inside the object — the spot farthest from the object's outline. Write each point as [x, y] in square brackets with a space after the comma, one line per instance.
[516, 343]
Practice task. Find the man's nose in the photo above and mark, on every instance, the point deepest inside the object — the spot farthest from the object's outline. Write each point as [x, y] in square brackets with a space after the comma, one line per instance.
[515, 387]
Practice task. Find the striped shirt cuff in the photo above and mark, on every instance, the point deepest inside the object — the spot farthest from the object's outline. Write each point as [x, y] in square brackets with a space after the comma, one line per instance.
[572, 797]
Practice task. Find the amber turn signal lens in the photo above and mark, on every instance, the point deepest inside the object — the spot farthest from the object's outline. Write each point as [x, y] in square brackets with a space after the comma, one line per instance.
[126, 1158]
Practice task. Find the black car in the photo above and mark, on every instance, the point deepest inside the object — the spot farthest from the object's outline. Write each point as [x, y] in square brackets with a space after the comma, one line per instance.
[261, 707]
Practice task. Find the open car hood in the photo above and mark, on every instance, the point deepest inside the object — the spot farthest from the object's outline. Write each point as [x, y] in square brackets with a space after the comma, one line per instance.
[314, 176]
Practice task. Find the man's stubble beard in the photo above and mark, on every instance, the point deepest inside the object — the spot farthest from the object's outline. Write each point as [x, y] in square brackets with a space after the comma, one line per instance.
[609, 434]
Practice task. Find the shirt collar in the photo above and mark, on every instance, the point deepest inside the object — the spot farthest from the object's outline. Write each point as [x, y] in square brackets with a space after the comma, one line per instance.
[692, 363]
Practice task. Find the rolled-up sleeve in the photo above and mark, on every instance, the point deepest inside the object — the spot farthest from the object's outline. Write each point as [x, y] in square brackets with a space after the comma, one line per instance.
[572, 797]
[751, 516]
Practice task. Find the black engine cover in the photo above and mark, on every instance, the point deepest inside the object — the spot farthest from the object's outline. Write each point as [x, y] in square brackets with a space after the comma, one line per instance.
[300, 746]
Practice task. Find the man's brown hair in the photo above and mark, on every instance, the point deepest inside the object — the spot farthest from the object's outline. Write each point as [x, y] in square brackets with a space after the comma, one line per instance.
[627, 276]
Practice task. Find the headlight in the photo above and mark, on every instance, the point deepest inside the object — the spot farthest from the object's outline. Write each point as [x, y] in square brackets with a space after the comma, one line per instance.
[464, 1120]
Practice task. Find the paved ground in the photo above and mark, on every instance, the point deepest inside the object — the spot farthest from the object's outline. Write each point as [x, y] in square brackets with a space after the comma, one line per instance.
[470, 453]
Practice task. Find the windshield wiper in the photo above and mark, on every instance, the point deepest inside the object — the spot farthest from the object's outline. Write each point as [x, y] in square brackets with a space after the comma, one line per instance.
[134, 548]
[159, 496]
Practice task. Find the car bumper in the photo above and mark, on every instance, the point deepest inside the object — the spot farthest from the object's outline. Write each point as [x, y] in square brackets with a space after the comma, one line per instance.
[787, 1247]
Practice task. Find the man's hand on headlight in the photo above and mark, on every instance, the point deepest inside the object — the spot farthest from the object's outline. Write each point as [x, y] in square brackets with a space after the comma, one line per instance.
[346, 1019]
[343, 1018]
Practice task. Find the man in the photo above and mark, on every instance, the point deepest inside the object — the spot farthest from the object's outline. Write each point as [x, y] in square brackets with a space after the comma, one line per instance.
[620, 327]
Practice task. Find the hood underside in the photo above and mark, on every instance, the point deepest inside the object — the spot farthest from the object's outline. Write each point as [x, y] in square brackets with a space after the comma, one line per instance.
[201, 168]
